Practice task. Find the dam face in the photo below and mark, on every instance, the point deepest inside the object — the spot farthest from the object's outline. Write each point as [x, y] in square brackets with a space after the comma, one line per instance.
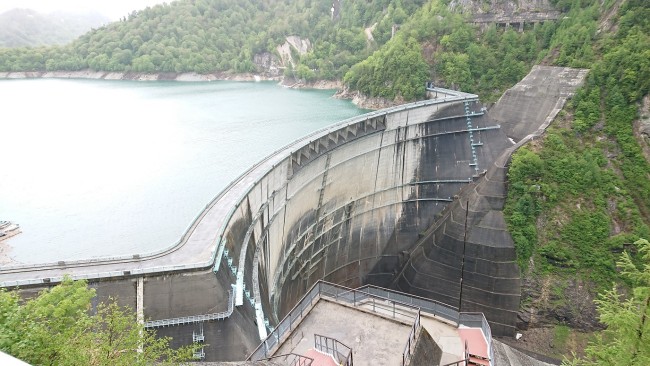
[349, 205]
[408, 198]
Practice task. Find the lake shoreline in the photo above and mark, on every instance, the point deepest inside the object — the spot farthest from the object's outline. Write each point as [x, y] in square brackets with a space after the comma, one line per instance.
[98, 168]
[341, 92]
[169, 76]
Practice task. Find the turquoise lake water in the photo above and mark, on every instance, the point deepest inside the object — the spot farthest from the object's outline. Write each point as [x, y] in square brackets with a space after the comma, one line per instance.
[93, 168]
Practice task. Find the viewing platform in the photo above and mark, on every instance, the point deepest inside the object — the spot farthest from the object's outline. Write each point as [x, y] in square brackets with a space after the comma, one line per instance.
[375, 326]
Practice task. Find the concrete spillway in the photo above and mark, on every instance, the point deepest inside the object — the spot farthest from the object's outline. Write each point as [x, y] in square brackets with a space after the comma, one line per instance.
[377, 199]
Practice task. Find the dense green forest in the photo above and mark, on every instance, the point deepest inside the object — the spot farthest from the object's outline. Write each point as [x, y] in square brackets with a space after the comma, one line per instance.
[354, 43]
[223, 35]
[56, 328]
[431, 42]
[589, 175]
[581, 195]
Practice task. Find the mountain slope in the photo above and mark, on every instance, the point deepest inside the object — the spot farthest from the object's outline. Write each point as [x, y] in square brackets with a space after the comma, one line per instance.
[24, 27]
[226, 35]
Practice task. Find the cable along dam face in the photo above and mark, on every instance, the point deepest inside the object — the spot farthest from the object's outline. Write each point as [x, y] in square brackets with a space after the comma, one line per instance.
[378, 199]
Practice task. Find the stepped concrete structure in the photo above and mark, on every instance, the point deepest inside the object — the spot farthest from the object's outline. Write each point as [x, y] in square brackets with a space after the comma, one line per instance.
[470, 239]
[377, 199]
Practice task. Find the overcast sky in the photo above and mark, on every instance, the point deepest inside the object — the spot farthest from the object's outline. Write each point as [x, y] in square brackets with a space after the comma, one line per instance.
[113, 9]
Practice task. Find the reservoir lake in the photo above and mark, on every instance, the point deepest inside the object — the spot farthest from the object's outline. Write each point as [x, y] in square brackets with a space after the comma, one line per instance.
[94, 168]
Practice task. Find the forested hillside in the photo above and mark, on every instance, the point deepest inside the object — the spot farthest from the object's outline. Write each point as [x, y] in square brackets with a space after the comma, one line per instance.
[386, 48]
[580, 197]
[225, 35]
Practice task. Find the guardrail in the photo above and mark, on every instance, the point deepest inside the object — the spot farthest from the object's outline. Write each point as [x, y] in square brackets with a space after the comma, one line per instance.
[292, 359]
[341, 353]
[410, 344]
[194, 318]
[428, 306]
[394, 309]
[400, 305]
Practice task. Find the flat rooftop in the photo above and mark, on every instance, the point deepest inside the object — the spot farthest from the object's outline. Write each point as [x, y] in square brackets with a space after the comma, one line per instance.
[375, 334]
[374, 340]
[375, 326]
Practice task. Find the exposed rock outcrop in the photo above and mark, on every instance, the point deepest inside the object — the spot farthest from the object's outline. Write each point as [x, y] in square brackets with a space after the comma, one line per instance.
[642, 127]
[551, 301]
[301, 46]
[364, 101]
[268, 64]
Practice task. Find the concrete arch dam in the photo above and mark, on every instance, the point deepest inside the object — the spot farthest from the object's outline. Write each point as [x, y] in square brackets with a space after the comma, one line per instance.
[382, 200]
[350, 204]
[377, 199]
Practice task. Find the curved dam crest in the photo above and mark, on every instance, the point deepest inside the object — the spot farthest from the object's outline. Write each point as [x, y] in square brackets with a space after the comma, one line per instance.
[378, 199]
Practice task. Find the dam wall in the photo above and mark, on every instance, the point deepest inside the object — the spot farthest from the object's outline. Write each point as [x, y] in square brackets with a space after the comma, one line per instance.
[349, 205]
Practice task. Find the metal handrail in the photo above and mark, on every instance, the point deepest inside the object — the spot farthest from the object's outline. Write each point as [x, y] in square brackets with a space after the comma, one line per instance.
[410, 344]
[428, 306]
[436, 308]
[194, 318]
[325, 290]
[471, 320]
[360, 297]
[341, 358]
[293, 359]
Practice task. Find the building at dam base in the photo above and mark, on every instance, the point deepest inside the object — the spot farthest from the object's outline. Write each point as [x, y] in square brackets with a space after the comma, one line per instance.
[408, 198]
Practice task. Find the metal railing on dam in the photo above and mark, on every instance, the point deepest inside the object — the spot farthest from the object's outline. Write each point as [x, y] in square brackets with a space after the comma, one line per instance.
[199, 246]
[193, 319]
[384, 302]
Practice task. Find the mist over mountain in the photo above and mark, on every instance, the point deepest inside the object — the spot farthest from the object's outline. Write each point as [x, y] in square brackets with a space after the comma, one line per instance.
[26, 27]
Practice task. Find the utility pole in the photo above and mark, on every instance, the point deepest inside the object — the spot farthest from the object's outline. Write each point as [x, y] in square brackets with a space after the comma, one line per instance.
[462, 262]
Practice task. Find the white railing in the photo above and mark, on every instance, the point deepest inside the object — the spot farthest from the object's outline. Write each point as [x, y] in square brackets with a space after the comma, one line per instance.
[194, 318]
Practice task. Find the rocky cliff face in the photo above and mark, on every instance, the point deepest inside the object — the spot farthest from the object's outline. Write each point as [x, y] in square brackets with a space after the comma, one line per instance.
[272, 65]
[642, 127]
[268, 63]
[364, 101]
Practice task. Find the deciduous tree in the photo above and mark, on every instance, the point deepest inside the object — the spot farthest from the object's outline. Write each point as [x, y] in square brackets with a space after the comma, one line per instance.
[59, 327]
